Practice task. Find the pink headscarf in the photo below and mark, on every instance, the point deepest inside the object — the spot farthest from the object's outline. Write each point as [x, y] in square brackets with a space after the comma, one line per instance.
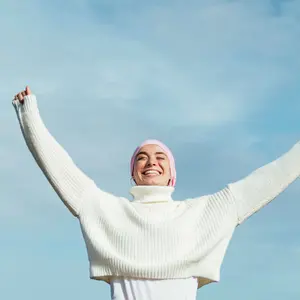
[165, 149]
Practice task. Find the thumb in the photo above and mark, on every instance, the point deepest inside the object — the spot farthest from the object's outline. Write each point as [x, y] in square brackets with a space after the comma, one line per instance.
[27, 90]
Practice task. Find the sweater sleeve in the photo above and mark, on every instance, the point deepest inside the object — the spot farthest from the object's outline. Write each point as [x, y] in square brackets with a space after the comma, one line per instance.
[265, 184]
[69, 182]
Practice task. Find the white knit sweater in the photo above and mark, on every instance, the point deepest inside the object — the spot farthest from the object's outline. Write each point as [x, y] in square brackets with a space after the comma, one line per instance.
[129, 238]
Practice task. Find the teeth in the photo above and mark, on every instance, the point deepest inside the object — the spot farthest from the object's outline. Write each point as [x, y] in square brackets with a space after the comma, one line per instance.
[151, 172]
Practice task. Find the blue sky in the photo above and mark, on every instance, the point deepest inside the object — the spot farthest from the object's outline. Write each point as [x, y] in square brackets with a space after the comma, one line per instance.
[217, 81]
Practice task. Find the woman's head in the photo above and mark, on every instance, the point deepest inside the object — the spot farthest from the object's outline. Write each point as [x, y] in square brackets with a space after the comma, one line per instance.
[152, 163]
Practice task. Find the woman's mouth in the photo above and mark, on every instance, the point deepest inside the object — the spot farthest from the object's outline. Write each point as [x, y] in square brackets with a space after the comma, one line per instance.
[151, 173]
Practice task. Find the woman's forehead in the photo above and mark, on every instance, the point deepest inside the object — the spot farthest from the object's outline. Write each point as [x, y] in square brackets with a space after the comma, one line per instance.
[151, 148]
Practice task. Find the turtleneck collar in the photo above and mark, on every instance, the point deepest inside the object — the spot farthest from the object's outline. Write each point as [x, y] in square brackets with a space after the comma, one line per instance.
[149, 194]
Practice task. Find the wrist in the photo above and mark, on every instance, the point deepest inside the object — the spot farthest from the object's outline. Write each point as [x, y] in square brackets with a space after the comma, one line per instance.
[29, 104]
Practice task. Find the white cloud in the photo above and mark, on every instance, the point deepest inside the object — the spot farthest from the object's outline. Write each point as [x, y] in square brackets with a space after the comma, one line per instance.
[215, 63]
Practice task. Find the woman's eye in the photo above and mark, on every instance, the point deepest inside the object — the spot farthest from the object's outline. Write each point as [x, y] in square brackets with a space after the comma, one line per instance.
[161, 158]
[140, 158]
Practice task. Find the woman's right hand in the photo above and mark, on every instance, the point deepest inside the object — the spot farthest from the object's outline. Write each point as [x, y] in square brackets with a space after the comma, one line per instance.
[20, 96]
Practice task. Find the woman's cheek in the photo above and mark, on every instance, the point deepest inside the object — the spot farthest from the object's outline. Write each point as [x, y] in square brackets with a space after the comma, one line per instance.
[139, 167]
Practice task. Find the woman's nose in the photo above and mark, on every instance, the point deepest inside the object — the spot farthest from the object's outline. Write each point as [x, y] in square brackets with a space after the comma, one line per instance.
[151, 162]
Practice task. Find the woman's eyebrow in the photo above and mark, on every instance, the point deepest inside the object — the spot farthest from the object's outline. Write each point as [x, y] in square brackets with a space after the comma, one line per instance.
[145, 153]
[142, 153]
[161, 153]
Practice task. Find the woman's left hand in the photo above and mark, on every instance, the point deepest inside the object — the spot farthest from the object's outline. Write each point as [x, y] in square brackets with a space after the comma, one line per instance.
[20, 96]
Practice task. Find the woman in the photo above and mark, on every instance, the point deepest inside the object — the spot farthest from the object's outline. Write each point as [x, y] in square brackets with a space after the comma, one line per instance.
[152, 247]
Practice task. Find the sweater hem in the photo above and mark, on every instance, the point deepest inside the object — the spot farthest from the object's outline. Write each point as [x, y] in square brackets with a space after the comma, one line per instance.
[200, 279]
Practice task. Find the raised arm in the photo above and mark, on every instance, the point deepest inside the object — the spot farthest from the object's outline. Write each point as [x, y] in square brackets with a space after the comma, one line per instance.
[69, 182]
[265, 184]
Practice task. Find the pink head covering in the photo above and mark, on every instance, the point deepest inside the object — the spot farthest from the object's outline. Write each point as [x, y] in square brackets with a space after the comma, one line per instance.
[165, 149]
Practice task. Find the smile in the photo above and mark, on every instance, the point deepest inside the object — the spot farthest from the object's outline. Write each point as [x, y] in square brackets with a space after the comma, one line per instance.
[151, 173]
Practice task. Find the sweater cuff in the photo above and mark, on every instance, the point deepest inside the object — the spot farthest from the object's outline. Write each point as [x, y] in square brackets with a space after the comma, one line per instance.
[28, 106]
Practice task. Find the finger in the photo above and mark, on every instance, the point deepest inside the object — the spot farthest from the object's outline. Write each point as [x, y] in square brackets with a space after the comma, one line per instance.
[20, 97]
[27, 90]
[23, 93]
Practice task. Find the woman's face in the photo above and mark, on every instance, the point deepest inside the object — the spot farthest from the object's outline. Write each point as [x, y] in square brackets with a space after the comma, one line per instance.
[151, 166]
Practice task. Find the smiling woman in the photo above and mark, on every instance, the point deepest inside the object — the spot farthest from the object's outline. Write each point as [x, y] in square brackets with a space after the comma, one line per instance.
[152, 247]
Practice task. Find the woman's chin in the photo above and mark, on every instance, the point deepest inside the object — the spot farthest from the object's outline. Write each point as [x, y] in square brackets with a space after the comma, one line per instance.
[153, 181]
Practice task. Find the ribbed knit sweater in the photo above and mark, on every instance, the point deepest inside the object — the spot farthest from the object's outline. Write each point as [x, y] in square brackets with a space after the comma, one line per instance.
[131, 239]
